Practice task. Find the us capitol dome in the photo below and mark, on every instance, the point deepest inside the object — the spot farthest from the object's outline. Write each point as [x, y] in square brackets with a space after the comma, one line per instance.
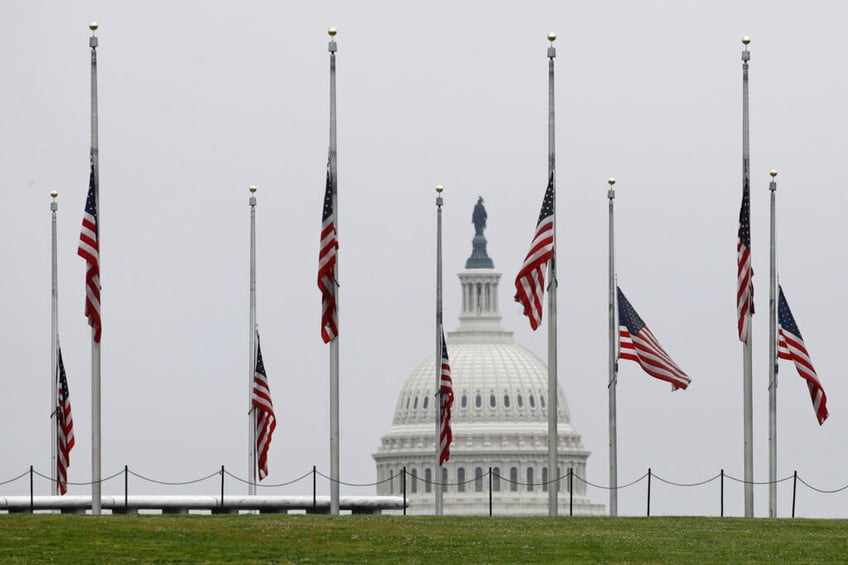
[499, 418]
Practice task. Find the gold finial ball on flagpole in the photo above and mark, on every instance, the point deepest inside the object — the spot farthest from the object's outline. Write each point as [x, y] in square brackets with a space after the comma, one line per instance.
[439, 188]
[552, 37]
[332, 32]
[252, 188]
[53, 194]
[746, 40]
[611, 181]
[773, 173]
[93, 26]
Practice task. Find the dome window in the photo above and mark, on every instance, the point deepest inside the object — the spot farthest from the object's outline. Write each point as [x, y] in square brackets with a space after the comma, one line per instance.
[407, 403]
[415, 404]
[513, 479]
[532, 401]
[460, 479]
[478, 401]
[541, 401]
[493, 401]
[464, 401]
[478, 479]
[496, 479]
[520, 400]
[530, 477]
[426, 399]
[506, 401]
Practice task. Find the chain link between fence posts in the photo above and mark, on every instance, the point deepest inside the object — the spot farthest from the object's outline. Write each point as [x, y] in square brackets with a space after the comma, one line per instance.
[405, 476]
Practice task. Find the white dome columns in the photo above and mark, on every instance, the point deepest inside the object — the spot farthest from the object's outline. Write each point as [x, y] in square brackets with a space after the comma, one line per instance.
[480, 308]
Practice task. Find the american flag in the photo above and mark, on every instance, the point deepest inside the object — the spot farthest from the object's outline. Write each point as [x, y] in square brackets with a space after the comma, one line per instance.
[64, 426]
[327, 266]
[744, 271]
[530, 282]
[446, 396]
[265, 420]
[791, 346]
[89, 249]
[638, 343]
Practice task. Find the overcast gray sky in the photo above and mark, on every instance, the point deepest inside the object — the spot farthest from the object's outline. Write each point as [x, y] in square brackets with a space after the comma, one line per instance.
[199, 100]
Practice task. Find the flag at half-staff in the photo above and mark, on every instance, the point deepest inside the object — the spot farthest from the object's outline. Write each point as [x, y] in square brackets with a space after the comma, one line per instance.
[791, 346]
[265, 420]
[637, 343]
[327, 265]
[64, 426]
[530, 281]
[744, 271]
[446, 403]
[89, 249]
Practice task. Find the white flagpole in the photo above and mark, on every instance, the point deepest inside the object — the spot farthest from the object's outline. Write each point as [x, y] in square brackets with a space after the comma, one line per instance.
[95, 346]
[613, 365]
[334, 343]
[251, 413]
[438, 361]
[54, 345]
[747, 386]
[773, 351]
[553, 486]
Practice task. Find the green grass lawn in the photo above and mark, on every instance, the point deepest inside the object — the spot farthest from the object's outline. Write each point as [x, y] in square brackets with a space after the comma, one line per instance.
[349, 539]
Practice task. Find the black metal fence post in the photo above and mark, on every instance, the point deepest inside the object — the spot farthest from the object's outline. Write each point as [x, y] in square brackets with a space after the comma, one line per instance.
[722, 493]
[571, 491]
[649, 491]
[490, 491]
[794, 488]
[126, 487]
[31, 493]
[314, 488]
[222, 487]
[403, 483]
